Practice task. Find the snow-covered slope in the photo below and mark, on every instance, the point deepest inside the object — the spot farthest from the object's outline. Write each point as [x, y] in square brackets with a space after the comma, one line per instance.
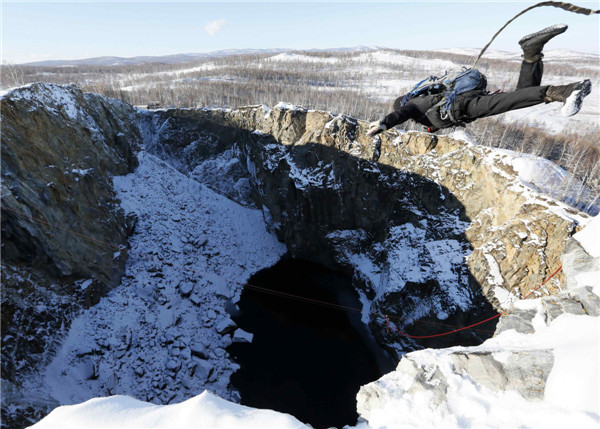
[190, 254]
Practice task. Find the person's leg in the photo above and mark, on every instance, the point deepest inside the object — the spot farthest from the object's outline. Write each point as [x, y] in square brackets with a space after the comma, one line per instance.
[531, 74]
[532, 67]
[474, 105]
[489, 105]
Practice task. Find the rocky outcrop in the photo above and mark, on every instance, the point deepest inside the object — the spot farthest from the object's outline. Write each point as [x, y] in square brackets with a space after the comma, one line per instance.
[504, 368]
[581, 269]
[64, 236]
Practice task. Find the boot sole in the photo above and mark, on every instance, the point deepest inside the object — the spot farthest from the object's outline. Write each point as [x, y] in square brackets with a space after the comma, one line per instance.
[575, 100]
[553, 30]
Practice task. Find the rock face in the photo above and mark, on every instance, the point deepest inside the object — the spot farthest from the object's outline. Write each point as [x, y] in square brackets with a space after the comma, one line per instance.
[64, 237]
[431, 227]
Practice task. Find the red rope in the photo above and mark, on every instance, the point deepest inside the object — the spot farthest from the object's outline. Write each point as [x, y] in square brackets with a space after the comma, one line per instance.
[443, 333]
[474, 324]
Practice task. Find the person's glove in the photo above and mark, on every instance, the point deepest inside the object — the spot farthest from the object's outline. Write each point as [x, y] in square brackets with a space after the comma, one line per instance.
[376, 128]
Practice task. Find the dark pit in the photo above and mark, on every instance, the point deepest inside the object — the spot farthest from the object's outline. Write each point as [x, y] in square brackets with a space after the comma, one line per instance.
[306, 359]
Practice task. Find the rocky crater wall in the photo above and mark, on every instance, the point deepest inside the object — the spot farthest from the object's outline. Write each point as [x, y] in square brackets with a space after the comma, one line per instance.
[517, 235]
[431, 227]
[426, 223]
[64, 236]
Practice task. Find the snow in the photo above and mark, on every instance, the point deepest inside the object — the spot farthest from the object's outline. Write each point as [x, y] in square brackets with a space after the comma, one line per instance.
[81, 171]
[241, 336]
[544, 176]
[571, 395]
[490, 53]
[411, 255]
[589, 237]
[286, 57]
[288, 106]
[204, 410]
[57, 100]
[589, 240]
[392, 58]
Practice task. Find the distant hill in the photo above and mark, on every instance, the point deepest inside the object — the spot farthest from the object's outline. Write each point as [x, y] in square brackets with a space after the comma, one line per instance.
[180, 58]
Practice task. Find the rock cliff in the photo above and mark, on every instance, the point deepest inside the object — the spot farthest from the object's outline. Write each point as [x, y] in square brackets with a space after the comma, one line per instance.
[432, 228]
[64, 236]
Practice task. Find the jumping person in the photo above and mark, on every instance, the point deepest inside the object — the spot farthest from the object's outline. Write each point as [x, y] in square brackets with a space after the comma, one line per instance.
[478, 103]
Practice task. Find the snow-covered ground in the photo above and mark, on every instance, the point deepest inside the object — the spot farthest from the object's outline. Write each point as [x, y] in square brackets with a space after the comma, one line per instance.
[390, 74]
[547, 178]
[205, 410]
[380, 74]
[189, 257]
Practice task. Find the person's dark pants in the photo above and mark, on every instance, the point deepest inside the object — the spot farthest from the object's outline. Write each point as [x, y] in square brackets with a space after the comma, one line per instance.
[473, 105]
[531, 74]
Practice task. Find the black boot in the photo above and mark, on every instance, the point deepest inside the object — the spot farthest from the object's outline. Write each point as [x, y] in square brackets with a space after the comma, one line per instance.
[533, 43]
[572, 95]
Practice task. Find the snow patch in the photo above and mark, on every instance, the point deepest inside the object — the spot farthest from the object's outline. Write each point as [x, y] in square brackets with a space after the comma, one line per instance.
[204, 410]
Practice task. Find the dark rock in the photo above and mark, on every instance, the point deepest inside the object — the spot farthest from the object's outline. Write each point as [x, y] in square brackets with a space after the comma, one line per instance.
[60, 217]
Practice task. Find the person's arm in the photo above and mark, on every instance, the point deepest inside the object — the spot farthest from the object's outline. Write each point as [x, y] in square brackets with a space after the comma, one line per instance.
[400, 115]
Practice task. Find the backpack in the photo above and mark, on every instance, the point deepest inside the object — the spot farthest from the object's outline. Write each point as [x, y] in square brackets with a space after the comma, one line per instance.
[451, 85]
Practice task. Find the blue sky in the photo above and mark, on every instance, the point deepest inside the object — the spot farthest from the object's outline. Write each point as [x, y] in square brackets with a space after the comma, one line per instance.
[34, 31]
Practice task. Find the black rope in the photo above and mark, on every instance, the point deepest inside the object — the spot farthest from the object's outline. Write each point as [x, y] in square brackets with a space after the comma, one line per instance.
[566, 6]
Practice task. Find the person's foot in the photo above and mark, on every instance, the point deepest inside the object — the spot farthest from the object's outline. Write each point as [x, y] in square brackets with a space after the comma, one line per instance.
[533, 43]
[572, 95]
